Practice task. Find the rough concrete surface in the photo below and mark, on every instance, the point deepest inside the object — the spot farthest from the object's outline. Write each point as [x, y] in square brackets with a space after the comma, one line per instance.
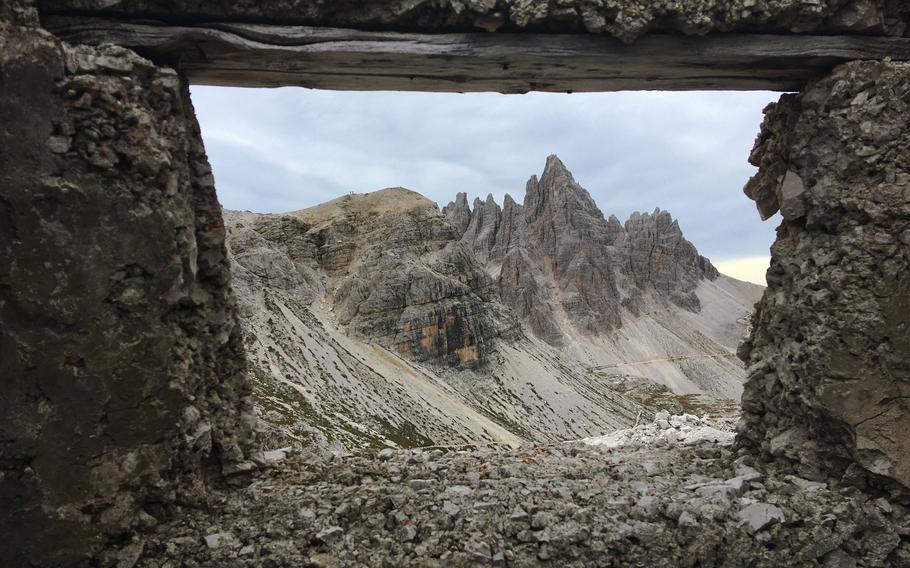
[624, 19]
[19, 12]
[829, 355]
[120, 358]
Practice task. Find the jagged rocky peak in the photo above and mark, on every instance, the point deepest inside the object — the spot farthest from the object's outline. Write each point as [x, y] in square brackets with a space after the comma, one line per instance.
[481, 232]
[511, 229]
[657, 256]
[557, 188]
[548, 254]
[557, 258]
[458, 213]
[615, 228]
[566, 235]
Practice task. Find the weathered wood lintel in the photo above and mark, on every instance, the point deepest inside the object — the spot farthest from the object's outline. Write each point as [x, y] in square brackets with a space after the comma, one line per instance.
[251, 55]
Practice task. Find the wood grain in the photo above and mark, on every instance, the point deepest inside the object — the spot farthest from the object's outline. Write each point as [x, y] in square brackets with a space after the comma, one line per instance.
[251, 55]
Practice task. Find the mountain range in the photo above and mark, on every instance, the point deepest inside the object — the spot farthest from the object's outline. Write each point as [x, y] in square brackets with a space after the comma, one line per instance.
[379, 319]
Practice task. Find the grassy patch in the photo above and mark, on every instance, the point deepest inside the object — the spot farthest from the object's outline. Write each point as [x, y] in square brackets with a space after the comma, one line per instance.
[696, 404]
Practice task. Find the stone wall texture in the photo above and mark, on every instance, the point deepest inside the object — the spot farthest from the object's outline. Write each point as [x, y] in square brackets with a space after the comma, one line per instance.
[829, 355]
[623, 19]
[120, 361]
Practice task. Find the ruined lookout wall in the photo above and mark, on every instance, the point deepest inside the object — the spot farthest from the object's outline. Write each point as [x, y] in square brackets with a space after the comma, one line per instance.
[829, 354]
[120, 362]
[121, 365]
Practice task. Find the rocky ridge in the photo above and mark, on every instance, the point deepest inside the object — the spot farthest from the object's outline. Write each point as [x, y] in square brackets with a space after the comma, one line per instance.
[396, 274]
[610, 293]
[598, 265]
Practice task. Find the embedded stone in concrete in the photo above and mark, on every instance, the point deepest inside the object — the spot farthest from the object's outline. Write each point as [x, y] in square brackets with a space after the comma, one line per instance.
[120, 359]
[829, 354]
[792, 189]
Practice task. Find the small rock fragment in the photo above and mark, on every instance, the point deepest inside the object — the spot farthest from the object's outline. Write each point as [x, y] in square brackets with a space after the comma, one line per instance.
[219, 540]
[331, 534]
[758, 516]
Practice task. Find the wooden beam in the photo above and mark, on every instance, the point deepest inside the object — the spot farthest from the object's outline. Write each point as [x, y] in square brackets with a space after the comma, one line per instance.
[250, 55]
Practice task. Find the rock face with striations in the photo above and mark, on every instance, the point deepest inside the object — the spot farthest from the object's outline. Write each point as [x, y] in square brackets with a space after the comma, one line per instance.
[367, 321]
[568, 236]
[399, 276]
[458, 213]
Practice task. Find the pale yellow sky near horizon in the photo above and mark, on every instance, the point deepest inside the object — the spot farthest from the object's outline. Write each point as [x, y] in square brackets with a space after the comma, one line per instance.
[751, 269]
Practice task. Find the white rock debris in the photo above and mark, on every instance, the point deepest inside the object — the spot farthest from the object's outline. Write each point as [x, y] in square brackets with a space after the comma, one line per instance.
[677, 429]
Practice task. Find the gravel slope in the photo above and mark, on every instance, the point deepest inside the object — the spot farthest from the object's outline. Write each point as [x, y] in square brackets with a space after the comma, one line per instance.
[649, 502]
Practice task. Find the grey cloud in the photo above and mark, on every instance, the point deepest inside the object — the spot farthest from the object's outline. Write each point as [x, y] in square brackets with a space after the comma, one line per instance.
[285, 149]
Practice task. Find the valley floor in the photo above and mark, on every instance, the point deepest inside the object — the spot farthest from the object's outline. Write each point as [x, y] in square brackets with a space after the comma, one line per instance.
[649, 499]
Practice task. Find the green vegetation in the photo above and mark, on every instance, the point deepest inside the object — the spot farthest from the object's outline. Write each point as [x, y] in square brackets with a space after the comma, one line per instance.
[405, 435]
[699, 405]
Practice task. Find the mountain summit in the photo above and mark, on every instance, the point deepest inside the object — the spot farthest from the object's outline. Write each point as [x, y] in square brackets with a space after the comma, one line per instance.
[556, 188]
[558, 259]
[615, 295]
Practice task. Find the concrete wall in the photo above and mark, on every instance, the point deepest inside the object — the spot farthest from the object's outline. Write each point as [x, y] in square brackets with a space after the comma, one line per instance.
[120, 362]
[829, 355]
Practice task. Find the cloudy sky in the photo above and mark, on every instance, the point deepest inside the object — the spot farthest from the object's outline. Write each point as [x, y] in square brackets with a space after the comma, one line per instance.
[276, 150]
